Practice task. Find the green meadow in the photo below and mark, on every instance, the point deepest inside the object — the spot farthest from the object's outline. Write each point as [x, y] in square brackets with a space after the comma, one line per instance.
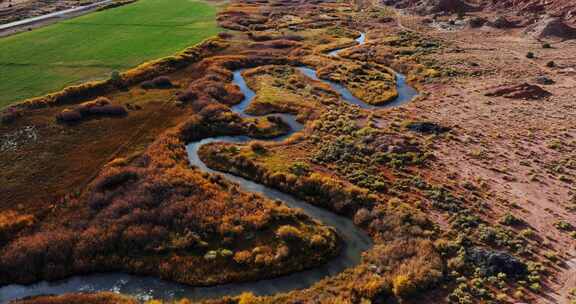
[92, 46]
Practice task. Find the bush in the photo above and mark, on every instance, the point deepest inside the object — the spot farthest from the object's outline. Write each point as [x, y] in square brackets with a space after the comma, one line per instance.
[69, 115]
[243, 257]
[9, 116]
[551, 255]
[224, 35]
[293, 37]
[362, 216]
[116, 78]
[551, 64]
[212, 111]
[199, 104]
[36, 252]
[11, 222]
[87, 108]
[564, 226]
[289, 233]
[160, 82]
[147, 85]
[318, 241]
[257, 148]
[211, 255]
[530, 55]
[98, 107]
[187, 96]
[527, 233]
[112, 110]
[402, 287]
[546, 46]
[300, 169]
[226, 253]
[535, 287]
[114, 179]
[136, 237]
[510, 220]
[246, 298]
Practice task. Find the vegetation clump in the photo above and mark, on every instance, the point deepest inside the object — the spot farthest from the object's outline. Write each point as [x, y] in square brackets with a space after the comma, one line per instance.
[100, 106]
[151, 217]
[160, 82]
[427, 128]
[492, 263]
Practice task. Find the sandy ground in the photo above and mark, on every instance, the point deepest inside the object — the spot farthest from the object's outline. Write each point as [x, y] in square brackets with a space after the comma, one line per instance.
[522, 150]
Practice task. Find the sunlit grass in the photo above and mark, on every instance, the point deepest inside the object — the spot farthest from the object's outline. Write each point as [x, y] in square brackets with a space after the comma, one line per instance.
[92, 46]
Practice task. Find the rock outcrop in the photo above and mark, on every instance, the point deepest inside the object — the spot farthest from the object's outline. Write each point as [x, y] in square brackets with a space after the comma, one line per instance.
[501, 22]
[519, 91]
[493, 262]
[551, 28]
[444, 6]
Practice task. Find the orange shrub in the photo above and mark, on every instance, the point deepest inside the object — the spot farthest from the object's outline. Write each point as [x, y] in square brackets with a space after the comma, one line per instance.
[243, 257]
[289, 233]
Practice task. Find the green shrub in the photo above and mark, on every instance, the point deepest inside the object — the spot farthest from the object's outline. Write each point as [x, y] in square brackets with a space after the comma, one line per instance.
[510, 220]
[257, 148]
[527, 233]
[535, 287]
[402, 286]
[289, 233]
[300, 169]
[552, 256]
[564, 226]
[211, 255]
[226, 252]
[116, 78]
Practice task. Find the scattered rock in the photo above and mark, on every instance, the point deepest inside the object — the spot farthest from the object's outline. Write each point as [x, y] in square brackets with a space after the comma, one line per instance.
[501, 22]
[551, 28]
[427, 128]
[9, 116]
[493, 262]
[519, 91]
[544, 80]
[20, 137]
[444, 6]
[477, 22]
[427, 21]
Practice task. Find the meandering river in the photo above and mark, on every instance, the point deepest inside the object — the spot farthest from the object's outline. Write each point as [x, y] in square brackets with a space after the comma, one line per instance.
[144, 288]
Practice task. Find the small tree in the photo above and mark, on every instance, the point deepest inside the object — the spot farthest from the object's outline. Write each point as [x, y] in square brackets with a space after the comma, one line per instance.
[116, 79]
[300, 169]
[257, 148]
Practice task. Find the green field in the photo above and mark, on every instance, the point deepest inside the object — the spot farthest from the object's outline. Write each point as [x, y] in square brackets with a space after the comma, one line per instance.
[92, 46]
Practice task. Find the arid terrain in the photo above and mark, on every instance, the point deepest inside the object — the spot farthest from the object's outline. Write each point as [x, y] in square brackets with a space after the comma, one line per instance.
[311, 152]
